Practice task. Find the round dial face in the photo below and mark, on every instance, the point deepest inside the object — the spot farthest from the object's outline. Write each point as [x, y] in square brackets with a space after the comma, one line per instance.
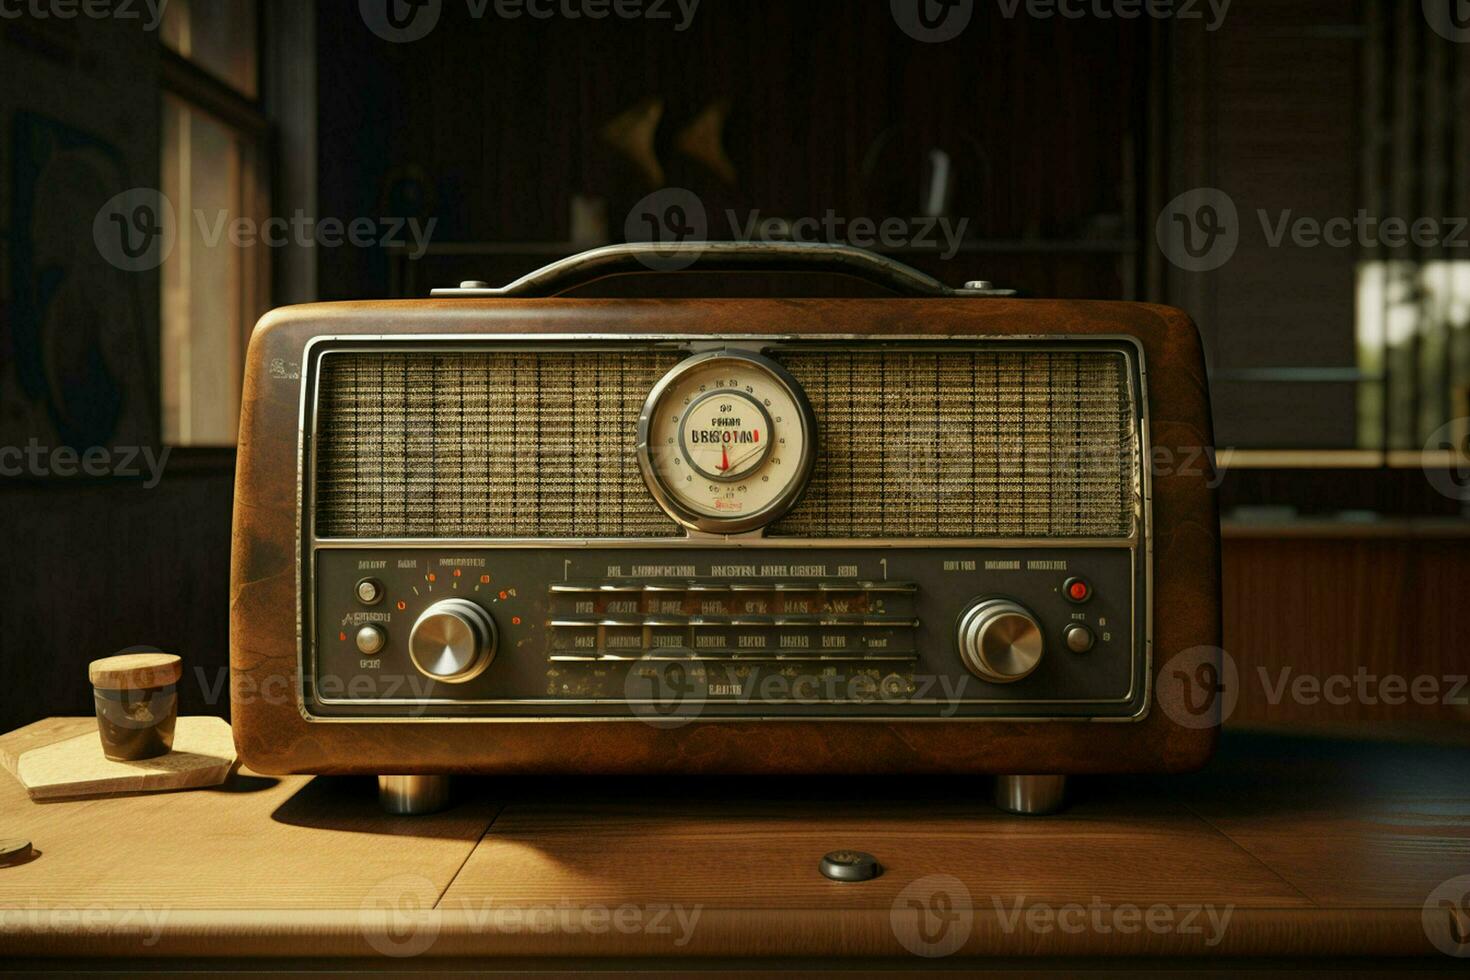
[726, 441]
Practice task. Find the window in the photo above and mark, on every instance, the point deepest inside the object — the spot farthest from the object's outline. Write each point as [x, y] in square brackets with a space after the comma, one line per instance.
[215, 282]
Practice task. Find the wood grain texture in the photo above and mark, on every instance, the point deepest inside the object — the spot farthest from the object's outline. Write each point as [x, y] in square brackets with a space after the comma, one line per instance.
[766, 856]
[1349, 825]
[1318, 626]
[135, 671]
[252, 843]
[203, 754]
[39, 733]
[273, 735]
[1303, 842]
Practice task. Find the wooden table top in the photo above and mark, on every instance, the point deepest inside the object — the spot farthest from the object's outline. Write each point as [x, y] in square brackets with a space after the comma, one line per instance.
[1282, 847]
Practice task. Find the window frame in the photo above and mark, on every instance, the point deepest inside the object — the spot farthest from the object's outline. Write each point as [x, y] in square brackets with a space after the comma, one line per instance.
[204, 92]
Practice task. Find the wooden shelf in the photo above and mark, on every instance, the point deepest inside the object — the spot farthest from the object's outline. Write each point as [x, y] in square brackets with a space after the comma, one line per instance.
[1427, 528]
[1316, 848]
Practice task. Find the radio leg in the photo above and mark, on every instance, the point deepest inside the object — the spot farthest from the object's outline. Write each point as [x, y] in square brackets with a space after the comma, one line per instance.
[411, 796]
[1031, 795]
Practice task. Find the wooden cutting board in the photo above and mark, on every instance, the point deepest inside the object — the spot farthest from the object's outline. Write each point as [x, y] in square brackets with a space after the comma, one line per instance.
[74, 766]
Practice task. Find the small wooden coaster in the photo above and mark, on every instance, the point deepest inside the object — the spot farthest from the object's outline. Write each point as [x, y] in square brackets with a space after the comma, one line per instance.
[203, 755]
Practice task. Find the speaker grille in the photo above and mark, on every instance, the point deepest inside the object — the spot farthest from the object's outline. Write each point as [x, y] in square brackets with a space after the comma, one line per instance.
[949, 443]
[512, 444]
[959, 443]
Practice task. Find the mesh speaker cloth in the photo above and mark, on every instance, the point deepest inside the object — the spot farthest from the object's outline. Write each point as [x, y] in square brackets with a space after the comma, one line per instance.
[511, 444]
[540, 444]
[967, 444]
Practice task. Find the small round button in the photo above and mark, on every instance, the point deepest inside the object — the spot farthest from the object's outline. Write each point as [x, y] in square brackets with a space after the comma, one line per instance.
[849, 866]
[371, 640]
[1077, 589]
[1079, 638]
[369, 591]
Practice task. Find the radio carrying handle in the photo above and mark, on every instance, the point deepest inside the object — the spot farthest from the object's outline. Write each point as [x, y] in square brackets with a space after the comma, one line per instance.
[700, 256]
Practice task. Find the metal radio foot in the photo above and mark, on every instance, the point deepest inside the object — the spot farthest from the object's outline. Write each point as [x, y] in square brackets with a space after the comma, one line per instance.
[411, 796]
[1032, 795]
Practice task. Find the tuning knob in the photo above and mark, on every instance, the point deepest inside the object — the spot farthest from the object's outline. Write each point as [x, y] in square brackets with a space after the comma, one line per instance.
[1000, 640]
[453, 641]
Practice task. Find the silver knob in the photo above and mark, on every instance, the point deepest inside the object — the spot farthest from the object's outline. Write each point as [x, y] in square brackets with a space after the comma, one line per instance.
[1000, 640]
[453, 641]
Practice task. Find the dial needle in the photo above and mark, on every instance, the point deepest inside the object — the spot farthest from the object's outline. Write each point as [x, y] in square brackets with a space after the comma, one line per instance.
[724, 458]
[754, 452]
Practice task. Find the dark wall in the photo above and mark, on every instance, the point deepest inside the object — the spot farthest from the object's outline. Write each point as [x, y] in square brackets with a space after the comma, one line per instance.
[92, 569]
[493, 126]
[90, 565]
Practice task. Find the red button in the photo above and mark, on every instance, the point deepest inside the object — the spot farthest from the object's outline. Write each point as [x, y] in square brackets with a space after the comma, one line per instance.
[1077, 590]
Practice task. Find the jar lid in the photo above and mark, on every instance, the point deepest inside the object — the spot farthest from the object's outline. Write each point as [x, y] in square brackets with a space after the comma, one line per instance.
[135, 671]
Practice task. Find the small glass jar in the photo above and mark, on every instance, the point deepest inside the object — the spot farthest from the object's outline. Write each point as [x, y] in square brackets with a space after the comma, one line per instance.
[136, 696]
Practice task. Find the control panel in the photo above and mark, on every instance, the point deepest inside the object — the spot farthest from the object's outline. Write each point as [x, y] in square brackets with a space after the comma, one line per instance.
[668, 633]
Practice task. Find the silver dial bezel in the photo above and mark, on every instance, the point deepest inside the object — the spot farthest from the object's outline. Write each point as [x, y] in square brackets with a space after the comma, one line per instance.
[784, 501]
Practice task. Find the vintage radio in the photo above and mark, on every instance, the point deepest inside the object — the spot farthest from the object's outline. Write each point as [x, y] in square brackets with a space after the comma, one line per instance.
[497, 531]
